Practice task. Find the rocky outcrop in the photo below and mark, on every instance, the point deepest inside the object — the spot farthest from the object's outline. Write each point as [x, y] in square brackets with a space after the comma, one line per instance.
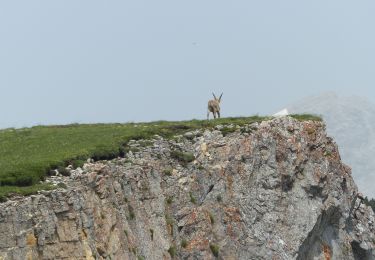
[274, 190]
[350, 120]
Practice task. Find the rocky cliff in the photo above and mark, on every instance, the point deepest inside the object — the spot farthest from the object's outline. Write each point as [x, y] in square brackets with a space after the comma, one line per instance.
[351, 121]
[274, 190]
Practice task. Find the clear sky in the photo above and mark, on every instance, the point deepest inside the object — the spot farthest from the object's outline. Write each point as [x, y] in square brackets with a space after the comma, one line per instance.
[118, 61]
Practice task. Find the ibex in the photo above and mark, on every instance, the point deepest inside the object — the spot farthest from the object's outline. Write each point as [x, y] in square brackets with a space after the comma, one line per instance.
[214, 106]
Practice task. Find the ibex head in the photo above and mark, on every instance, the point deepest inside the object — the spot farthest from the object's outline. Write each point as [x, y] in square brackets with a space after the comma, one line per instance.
[217, 99]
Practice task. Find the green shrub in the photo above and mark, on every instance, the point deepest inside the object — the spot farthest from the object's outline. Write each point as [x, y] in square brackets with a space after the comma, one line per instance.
[131, 212]
[214, 249]
[3, 198]
[227, 130]
[78, 163]
[327, 153]
[8, 181]
[104, 152]
[23, 181]
[184, 243]
[131, 215]
[25, 191]
[62, 185]
[169, 200]
[172, 251]
[306, 117]
[168, 172]
[212, 219]
[192, 198]
[63, 171]
[184, 157]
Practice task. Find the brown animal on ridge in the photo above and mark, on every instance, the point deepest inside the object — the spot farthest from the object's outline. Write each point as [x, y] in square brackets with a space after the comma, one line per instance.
[214, 106]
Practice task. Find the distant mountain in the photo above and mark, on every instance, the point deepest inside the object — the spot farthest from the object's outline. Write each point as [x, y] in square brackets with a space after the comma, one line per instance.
[351, 121]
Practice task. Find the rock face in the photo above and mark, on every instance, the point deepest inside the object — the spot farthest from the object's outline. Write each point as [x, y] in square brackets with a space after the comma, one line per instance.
[351, 121]
[274, 190]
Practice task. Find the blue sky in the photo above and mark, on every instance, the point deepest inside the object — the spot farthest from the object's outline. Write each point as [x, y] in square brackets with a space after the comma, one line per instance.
[119, 61]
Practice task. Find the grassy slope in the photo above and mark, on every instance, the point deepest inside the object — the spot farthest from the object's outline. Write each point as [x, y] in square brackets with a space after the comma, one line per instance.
[26, 155]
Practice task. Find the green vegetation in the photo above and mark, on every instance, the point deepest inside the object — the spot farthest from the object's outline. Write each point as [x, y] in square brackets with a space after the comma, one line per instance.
[184, 243]
[219, 198]
[25, 191]
[168, 172]
[27, 155]
[169, 220]
[227, 130]
[212, 219]
[63, 171]
[128, 161]
[169, 200]
[172, 251]
[183, 157]
[192, 198]
[311, 131]
[131, 212]
[152, 233]
[214, 249]
[201, 168]
[306, 117]
[327, 153]
[247, 130]
[62, 185]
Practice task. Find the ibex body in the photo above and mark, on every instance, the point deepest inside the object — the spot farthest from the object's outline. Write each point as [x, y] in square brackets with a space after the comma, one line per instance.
[214, 106]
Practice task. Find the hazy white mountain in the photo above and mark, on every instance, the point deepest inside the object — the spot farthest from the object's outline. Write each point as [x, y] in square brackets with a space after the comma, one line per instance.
[281, 113]
[351, 122]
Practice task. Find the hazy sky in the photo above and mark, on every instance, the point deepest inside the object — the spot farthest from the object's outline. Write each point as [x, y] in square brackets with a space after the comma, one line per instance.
[118, 61]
